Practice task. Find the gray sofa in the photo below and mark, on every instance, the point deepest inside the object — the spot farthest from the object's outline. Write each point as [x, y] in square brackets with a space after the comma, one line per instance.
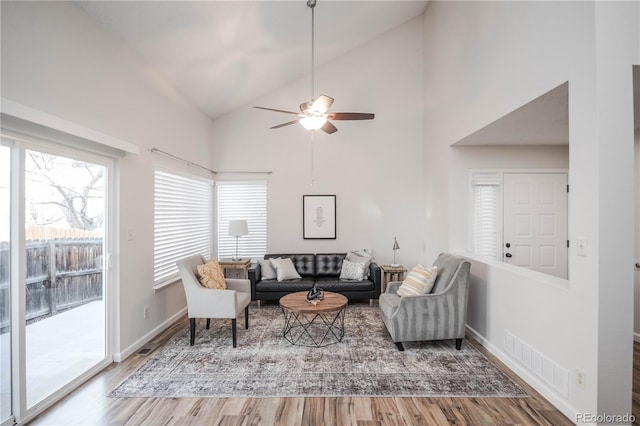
[323, 269]
[438, 315]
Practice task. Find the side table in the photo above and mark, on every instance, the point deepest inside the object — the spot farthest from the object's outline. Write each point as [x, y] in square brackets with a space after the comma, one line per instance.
[242, 264]
[391, 273]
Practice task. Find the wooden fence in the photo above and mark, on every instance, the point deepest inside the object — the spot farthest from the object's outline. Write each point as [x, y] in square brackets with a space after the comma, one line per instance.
[61, 274]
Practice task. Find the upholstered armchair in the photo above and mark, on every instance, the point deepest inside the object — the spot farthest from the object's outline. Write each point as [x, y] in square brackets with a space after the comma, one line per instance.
[208, 303]
[438, 315]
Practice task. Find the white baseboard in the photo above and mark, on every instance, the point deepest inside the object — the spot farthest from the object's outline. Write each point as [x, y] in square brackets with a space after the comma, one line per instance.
[121, 356]
[560, 403]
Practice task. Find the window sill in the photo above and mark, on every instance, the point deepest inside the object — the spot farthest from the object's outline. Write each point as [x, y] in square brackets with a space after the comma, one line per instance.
[164, 284]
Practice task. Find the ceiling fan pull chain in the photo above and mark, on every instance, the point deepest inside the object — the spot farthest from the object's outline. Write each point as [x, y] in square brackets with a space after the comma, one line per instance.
[312, 159]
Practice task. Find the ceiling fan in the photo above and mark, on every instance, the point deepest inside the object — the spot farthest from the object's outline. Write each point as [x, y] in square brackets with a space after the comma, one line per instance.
[315, 115]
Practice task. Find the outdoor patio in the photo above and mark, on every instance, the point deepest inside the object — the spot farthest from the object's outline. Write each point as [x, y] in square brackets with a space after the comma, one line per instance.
[58, 348]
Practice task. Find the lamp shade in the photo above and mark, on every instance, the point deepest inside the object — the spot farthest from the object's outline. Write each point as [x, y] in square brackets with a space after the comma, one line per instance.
[238, 228]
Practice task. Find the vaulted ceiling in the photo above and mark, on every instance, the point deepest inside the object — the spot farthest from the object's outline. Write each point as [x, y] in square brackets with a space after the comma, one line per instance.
[221, 55]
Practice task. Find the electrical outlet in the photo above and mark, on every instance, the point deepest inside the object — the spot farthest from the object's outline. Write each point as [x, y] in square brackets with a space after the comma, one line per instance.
[145, 313]
[581, 379]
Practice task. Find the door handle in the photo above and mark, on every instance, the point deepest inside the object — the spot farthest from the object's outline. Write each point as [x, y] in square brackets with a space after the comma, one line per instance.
[508, 255]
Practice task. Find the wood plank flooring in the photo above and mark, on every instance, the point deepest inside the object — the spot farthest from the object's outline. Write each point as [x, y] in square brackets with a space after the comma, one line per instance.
[88, 405]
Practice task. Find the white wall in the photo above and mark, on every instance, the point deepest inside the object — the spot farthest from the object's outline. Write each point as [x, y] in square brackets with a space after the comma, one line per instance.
[56, 60]
[374, 167]
[485, 59]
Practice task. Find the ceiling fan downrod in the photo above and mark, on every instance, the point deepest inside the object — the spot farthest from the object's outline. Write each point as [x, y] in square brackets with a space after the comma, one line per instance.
[312, 4]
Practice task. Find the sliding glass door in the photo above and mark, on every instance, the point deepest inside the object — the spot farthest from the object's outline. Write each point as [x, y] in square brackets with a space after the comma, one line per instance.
[5, 280]
[64, 217]
[54, 298]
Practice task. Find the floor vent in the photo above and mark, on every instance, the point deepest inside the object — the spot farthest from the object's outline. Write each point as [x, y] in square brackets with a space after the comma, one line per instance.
[548, 371]
[148, 348]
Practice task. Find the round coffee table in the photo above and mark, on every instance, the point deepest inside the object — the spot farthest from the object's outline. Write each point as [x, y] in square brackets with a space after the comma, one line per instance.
[318, 325]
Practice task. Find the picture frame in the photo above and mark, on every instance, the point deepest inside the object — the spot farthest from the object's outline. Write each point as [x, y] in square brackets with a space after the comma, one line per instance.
[319, 217]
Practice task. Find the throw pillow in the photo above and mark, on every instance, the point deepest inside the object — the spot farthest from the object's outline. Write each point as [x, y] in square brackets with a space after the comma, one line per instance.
[285, 270]
[352, 271]
[419, 280]
[211, 275]
[361, 256]
[266, 268]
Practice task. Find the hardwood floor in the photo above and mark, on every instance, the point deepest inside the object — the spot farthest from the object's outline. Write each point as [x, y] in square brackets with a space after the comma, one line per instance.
[89, 406]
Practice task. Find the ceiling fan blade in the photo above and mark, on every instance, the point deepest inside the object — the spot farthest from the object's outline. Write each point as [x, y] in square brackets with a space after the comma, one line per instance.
[277, 110]
[351, 116]
[329, 128]
[322, 104]
[288, 123]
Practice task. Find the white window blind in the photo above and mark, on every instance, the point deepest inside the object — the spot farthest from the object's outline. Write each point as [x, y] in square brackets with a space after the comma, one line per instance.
[242, 200]
[486, 192]
[182, 222]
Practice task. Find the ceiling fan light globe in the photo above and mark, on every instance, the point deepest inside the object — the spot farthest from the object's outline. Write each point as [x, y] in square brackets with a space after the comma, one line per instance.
[313, 123]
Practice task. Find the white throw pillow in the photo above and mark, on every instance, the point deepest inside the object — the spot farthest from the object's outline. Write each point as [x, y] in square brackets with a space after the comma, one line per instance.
[419, 280]
[352, 271]
[361, 256]
[285, 270]
[266, 268]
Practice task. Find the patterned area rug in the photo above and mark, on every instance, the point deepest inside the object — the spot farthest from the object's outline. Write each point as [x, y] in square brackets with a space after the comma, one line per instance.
[365, 363]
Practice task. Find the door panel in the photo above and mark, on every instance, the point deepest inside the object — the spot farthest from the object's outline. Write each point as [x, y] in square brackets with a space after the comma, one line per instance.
[535, 222]
[65, 213]
[6, 412]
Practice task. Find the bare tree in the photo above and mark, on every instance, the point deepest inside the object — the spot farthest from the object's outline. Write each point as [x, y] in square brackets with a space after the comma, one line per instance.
[71, 196]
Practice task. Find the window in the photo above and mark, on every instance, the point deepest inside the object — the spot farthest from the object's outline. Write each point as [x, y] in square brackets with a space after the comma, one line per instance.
[242, 200]
[486, 195]
[182, 222]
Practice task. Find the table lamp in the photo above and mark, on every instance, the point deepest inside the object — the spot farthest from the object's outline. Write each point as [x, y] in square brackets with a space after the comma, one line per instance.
[238, 228]
[396, 246]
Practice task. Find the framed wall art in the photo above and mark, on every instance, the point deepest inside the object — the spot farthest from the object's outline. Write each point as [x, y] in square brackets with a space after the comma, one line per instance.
[319, 217]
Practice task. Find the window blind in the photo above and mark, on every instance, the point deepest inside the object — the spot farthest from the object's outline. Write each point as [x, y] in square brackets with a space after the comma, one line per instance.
[182, 222]
[486, 190]
[242, 200]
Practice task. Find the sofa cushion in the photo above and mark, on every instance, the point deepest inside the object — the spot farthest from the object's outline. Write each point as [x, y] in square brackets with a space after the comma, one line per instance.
[337, 285]
[303, 284]
[419, 281]
[363, 256]
[304, 262]
[266, 269]
[352, 271]
[329, 263]
[285, 269]
[210, 275]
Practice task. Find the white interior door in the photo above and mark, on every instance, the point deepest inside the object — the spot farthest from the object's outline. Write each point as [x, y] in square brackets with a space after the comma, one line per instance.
[535, 222]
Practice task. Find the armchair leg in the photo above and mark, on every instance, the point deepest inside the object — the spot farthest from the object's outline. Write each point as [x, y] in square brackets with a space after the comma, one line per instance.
[399, 346]
[192, 330]
[233, 331]
[458, 344]
[208, 322]
[246, 317]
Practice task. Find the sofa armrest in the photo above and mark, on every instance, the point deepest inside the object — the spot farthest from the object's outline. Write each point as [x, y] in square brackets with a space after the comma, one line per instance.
[393, 286]
[238, 284]
[375, 274]
[255, 275]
